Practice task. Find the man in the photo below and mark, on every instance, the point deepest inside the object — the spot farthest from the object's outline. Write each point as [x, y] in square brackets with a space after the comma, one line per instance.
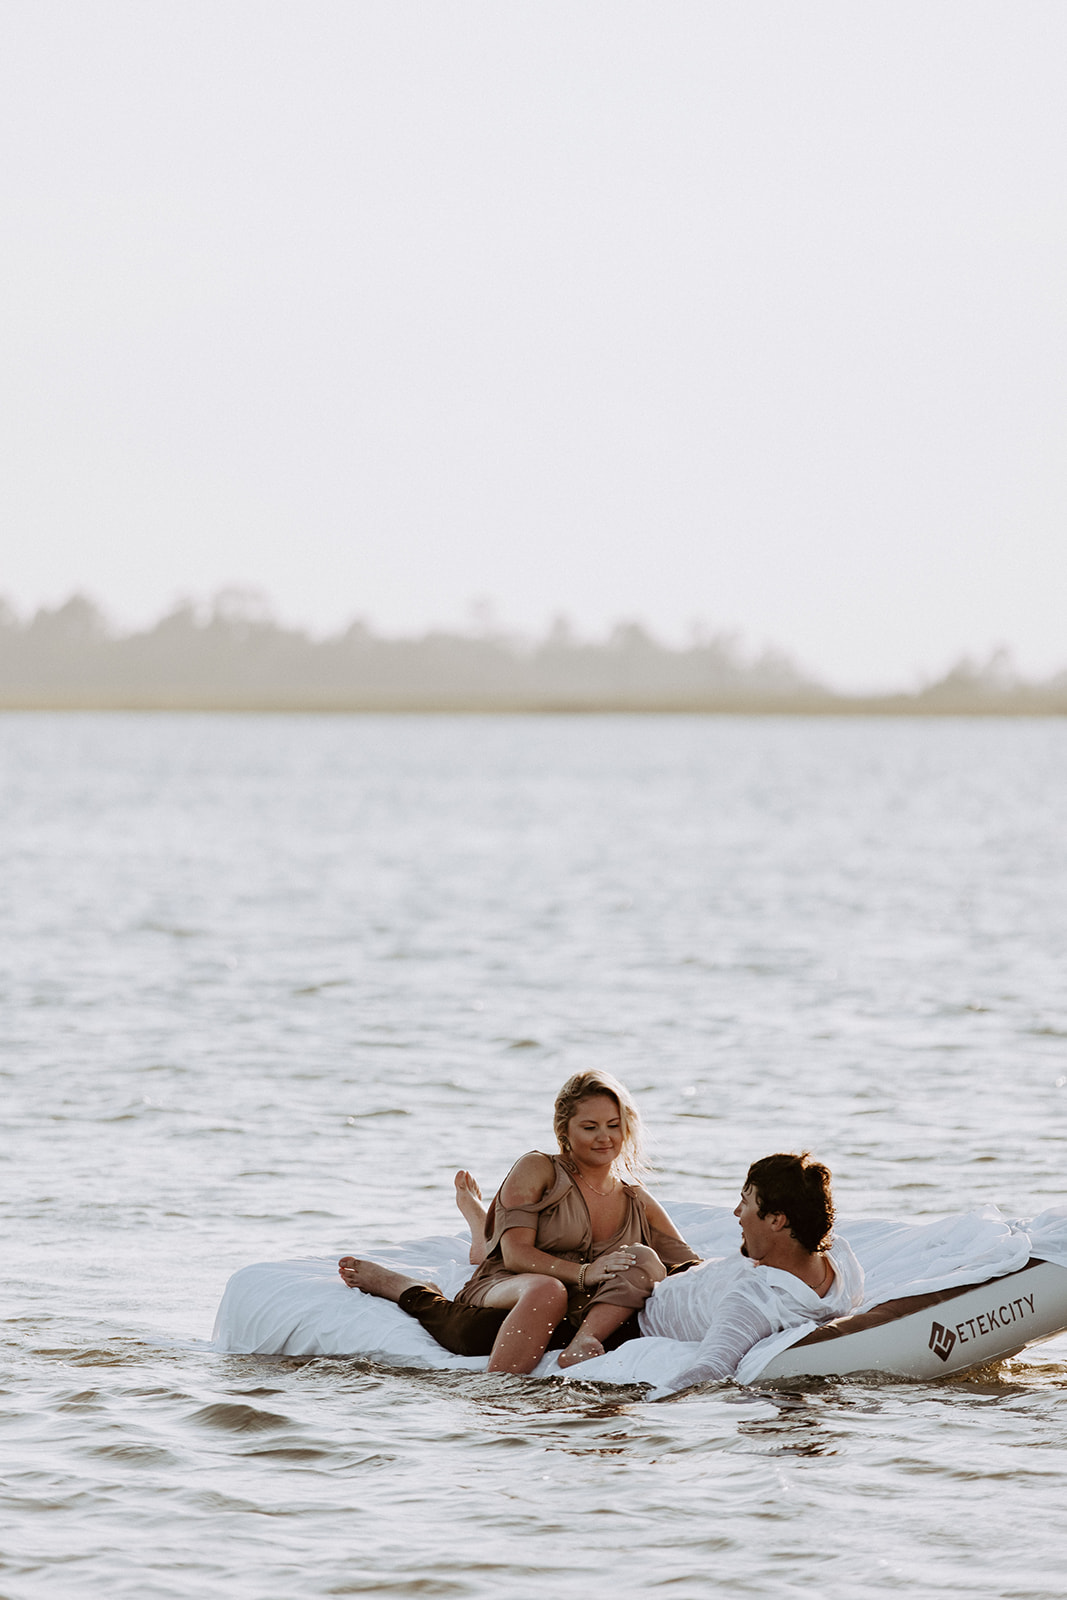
[788, 1272]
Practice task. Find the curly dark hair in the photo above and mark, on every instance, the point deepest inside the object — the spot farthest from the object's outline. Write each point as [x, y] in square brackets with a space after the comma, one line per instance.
[799, 1187]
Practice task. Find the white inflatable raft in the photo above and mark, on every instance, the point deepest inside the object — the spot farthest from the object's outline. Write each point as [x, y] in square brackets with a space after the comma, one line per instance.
[942, 1297]
[937, 1335]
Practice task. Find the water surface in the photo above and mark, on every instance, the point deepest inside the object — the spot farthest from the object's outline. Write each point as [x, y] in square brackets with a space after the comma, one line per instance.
[267, 981]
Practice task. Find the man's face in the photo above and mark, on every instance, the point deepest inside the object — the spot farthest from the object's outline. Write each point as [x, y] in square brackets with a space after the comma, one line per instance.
[758, 1234]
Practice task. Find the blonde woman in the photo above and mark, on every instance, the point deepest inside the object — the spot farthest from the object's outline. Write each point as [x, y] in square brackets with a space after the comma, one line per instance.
[572, 1243]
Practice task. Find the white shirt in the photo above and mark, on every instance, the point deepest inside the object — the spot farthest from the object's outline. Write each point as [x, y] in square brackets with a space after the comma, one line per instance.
[730, 1304]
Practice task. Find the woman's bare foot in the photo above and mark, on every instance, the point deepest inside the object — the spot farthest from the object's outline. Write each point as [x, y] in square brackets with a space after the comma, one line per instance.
[583, 1347]
[469, 1201]
[377, 1280]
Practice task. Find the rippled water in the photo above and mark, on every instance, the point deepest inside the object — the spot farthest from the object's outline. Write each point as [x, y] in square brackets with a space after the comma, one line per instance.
[267, 981]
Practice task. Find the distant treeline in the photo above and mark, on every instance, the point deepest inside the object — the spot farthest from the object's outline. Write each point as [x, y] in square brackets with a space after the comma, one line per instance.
[232, 655]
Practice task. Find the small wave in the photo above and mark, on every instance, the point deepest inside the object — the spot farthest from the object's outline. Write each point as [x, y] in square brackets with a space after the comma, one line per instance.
[294, 1452]
[144, 1107]
[139, 1455]
[212, 1500]
[84, 1400]
[231, 1418]
[385, 1111]
[97, 1356]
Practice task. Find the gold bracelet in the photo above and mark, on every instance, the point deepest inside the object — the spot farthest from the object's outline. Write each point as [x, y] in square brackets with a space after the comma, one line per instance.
[582, 1270]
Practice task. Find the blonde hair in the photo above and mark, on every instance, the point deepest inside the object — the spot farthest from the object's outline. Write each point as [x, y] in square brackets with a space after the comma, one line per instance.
[631, 1160]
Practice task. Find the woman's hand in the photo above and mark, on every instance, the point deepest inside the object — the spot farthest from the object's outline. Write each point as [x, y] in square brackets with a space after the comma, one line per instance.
[611, 1265]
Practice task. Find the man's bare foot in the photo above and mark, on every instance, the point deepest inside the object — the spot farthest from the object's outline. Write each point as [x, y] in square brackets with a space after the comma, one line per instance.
[380, 1281]
[583, 1347]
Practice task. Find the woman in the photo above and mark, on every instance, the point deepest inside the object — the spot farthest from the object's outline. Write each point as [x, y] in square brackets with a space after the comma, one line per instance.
[573, 1244]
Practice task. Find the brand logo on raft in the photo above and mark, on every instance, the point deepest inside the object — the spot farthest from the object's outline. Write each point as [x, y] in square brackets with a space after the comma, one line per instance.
[941, 1340]
[944, 1340]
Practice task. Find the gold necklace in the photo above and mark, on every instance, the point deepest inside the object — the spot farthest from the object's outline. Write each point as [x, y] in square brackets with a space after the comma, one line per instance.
[603, 1193]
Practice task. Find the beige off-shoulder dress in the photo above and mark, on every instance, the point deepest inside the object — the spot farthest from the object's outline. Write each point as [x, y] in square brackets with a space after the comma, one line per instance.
[564, 1229]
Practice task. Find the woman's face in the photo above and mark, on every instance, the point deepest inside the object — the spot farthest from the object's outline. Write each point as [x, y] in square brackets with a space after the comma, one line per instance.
[595, 1131]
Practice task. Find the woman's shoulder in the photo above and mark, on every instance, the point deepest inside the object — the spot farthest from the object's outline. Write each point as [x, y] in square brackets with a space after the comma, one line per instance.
[530, 1177]
[537, 1160]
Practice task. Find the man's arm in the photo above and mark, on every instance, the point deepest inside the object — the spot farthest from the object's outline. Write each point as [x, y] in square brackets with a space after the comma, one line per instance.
[739, 1324]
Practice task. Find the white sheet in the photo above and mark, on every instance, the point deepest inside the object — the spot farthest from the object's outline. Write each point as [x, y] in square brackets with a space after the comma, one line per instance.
[301, 1308]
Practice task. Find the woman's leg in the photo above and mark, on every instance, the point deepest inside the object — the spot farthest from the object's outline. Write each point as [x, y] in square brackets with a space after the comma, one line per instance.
[598, 1324]
[536, 1305]
[469, 1201]
[603, 1318]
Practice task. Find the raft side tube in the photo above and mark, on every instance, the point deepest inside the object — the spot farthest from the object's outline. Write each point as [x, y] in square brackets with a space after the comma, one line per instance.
[936, 1335]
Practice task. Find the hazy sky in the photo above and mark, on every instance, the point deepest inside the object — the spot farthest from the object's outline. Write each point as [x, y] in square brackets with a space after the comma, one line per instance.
[752, 313]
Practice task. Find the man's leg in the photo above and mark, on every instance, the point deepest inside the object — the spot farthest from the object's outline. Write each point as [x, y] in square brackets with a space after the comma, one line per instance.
[465, 1330]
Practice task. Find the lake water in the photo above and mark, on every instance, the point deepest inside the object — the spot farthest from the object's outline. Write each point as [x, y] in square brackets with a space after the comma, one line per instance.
[267, 981]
